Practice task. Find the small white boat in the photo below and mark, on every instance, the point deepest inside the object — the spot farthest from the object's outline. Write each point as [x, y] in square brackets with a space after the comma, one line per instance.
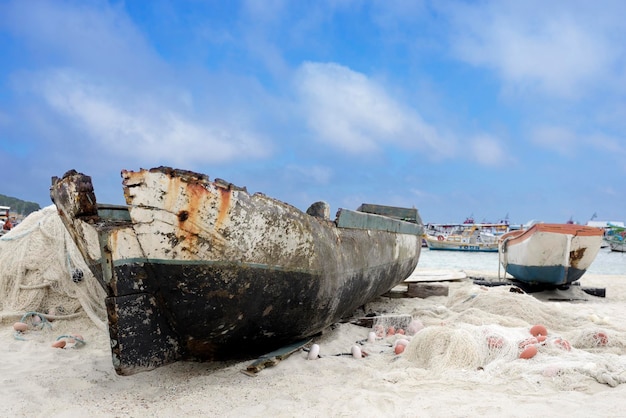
[550, 254]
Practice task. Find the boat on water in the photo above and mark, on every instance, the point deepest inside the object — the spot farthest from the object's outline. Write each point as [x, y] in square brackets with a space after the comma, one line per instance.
[465, 237]
[615, 238]
[549, 254]
[196, 269]
[617, 242]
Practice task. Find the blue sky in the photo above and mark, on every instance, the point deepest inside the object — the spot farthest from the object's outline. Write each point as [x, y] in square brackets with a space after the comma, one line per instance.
[458, 108]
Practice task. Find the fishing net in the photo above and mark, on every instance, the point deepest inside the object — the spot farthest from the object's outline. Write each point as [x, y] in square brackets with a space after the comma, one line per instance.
[41, 270]
[484, 331]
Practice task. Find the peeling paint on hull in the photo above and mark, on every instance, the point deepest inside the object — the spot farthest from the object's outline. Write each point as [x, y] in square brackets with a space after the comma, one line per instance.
[201, 270]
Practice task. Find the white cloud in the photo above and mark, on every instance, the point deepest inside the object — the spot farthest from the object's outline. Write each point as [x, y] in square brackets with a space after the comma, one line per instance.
[92, 35]
[488, 150]
[317, 174]
[556, 138]
[144, 125]
[559, 48]
[349, 111]
[611, 149]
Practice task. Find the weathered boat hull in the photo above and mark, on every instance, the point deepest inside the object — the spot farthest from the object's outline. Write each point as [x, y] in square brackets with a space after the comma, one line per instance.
[550, 254]
[201, 270]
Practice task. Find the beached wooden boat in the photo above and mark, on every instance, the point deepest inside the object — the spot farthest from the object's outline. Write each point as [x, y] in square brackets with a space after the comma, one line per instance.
[550, 254]
[201, 270]
[465, 237]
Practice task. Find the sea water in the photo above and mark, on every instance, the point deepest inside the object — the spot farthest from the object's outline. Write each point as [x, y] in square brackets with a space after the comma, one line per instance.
[606, 262]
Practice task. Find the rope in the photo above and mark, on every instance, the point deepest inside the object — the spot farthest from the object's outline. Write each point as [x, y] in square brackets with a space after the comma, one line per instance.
[79, 342]
[41, 317]
[39, 325]
[4, 315]
[34, 286]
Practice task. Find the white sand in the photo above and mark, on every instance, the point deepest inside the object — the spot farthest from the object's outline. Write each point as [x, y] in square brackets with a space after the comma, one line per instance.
[38, 380]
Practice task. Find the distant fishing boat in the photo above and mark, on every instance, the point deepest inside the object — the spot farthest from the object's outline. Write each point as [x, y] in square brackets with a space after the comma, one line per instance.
[467, 236]
[550, 254]
[615, 238]
[5, 221]
[201, 270]
[617, 243]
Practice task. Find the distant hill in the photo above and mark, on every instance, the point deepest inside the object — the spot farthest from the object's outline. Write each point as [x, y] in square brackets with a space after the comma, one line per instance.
[21, 207]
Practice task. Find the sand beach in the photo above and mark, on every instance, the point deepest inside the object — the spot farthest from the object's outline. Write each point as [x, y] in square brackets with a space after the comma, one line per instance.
[462, 360]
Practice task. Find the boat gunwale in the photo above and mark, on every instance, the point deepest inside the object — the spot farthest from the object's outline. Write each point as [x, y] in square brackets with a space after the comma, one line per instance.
[519, 236]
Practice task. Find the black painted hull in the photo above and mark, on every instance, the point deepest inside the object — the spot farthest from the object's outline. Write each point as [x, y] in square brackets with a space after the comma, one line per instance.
[220, 274]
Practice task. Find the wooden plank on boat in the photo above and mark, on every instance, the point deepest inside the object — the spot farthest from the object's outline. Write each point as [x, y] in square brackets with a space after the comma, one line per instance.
[435, 276]
[405, 214]
[114, 212]
[273, 358]
[360, 220]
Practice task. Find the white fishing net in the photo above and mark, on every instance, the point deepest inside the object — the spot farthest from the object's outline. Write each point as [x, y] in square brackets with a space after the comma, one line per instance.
[483, 332]
[42, 271]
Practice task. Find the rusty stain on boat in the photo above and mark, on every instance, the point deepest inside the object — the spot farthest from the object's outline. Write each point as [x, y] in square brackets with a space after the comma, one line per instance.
[201, 270]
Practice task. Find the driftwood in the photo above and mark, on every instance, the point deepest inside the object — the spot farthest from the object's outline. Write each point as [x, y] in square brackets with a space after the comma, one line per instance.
[522, 287]
[273, 358]
[401, 321]
[424, 290]
[417, 290]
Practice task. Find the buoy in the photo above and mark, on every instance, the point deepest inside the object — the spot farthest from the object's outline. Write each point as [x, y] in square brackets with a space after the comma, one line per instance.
[541, 338]
[538, 329]
[391, 331]
[400, 331]
[59, 344]
[356, 352]
[399, 349]
[562, 344]
[401, 341]
[528, 352]
[371, 337]
[20, 326]
[314, 352]
[51, 314]
[601, 338]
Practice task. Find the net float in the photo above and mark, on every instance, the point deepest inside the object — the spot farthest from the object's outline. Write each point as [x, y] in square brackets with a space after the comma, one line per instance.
[314, 352]
[528, 352]
[538, 329]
